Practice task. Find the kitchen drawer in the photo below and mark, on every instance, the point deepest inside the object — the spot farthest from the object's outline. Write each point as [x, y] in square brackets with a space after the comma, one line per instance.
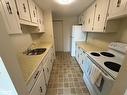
[34, 78]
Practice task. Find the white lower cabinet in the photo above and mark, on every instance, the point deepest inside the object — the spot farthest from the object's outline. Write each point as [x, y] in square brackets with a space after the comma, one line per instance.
[47, 70]
[79, 56]
[39, 81]
[39, 87]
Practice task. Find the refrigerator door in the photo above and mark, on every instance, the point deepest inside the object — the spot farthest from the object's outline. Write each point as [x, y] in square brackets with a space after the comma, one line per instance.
[77, 35]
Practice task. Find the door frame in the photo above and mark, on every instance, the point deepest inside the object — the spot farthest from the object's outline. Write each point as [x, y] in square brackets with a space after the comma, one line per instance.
[62, 35]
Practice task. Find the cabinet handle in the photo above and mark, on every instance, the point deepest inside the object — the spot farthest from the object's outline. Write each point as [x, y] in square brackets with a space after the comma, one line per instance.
[118, 3]
[99, 16]
[82, 61]
[36, 75]
[89, 20]
[34, 13]
[41, 89]
[9, 8]
[24, 7]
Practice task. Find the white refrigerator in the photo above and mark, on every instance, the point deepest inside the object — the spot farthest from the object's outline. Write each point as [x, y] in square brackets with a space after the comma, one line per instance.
[77, 35]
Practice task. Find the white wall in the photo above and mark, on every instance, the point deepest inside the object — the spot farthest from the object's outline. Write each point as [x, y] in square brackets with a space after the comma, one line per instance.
[67, 30]
[21, 41]
[48, 35]
[8, 55]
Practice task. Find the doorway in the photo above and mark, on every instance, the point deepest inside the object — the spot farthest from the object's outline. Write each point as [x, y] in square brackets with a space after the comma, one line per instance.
[58, 35]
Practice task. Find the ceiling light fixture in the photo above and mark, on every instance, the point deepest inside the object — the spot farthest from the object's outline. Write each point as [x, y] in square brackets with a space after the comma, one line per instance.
[64, 2]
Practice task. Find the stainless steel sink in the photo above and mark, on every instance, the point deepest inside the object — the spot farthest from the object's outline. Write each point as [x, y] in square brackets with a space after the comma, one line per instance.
[37, 51]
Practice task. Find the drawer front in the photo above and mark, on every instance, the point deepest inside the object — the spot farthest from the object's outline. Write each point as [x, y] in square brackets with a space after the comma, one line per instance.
[34, 78]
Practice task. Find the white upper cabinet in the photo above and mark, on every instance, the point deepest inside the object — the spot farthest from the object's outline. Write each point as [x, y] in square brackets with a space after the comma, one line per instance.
[80, 19]
[9, 13]
[40, 20]
[101, 15]
[33, 11]
[23, 10]
[95, 19]
[89, 18]
[117, 9]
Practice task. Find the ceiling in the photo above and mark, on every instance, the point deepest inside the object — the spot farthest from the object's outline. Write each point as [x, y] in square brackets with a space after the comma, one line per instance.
[72, 9]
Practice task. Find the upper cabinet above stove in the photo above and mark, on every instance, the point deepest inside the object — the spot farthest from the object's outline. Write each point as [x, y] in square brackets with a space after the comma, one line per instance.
[117, 9]
[95, 18]
[100, 17]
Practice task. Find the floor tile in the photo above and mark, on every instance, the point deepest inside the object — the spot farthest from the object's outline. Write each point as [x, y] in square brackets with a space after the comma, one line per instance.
[66, 77]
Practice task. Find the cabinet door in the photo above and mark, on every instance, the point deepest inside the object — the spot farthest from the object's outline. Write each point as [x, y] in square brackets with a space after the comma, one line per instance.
[90, 14]
[40, 20]
[39, 87]
[23, 9]
[81, 19]
[117, 7]
[101, 15]
[33, 11]
[46, 72]
[10, 16]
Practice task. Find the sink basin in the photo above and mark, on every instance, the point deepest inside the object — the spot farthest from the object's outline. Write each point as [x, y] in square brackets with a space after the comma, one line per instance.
[37, 51]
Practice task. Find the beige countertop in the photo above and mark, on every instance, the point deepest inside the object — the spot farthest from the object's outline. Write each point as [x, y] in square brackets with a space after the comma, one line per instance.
[89, 47]
[29, 64]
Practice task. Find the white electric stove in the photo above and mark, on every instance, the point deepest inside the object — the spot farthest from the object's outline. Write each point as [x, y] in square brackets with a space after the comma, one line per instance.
[111, 60]
[102, 67]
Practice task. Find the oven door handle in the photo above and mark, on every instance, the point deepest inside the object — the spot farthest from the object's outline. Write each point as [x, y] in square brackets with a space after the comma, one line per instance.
[104, 73]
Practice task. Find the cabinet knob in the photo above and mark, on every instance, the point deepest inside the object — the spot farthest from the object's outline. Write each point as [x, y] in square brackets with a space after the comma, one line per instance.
[8, 7]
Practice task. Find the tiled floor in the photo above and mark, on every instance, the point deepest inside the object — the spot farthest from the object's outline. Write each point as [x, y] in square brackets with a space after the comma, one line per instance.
[66, 77]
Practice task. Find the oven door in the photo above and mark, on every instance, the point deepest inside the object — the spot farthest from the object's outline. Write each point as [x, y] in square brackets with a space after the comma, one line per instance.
[87, 63]
[100, 81]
